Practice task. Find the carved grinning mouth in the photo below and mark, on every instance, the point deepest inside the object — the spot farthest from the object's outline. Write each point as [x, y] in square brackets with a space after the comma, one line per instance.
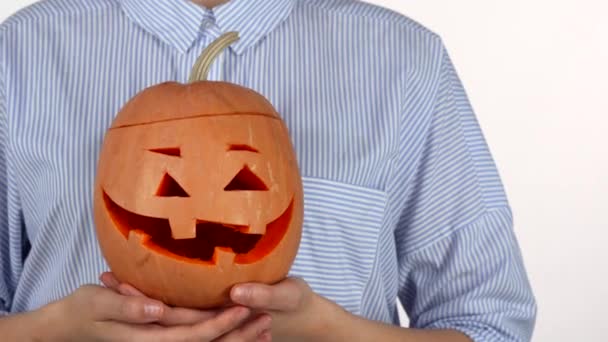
[210, 236]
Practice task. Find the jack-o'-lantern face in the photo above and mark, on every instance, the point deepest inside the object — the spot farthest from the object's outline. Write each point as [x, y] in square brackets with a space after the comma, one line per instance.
[198, 189]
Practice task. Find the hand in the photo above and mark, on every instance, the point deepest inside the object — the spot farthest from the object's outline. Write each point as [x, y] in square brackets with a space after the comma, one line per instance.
[95, 313]
[172, 316]
[297, 312]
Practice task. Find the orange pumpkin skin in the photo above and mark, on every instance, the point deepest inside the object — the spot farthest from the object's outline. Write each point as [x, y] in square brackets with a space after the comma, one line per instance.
[198, 189]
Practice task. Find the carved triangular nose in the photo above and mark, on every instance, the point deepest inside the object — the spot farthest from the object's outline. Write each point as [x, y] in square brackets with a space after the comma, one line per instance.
[169, 187]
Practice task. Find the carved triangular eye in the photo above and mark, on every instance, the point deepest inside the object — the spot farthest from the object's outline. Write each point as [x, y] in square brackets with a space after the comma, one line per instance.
[168, 151]
[169, 187]
[242, 147]
[246, 180]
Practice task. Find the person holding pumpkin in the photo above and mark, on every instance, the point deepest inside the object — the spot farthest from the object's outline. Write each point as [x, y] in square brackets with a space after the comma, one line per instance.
[402, 198]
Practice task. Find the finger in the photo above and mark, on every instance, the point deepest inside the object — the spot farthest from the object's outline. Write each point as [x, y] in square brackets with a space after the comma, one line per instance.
[184, 316]
[109, 305]
[285, 296]
[117, 331]
[128, 290]
[208, 330]
[221, 324]
[251, 331]
[172, 316]
[266, 336]
[109, 280]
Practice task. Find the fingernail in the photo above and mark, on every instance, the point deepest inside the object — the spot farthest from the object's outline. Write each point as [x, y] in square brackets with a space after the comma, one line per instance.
[266, 321]
[242, 313]
[237, 292]
[240, 293]
[265, 336]
[153, 310]
[109, 280]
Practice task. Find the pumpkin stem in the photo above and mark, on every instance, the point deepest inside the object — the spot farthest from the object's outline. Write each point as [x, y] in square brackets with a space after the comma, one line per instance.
[200, 70]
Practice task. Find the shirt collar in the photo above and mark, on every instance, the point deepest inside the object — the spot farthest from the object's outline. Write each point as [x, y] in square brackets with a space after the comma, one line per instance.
[179, 22]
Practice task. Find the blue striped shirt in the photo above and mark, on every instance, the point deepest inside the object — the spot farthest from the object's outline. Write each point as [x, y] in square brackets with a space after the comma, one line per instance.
[402, 197]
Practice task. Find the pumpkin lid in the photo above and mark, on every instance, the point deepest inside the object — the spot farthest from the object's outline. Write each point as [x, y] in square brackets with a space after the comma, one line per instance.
[173, 101]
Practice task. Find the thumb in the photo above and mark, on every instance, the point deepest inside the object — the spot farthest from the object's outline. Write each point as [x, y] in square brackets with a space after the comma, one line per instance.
[284, 296]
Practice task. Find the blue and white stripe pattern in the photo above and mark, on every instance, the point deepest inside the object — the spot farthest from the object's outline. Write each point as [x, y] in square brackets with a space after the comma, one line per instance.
[402, 197]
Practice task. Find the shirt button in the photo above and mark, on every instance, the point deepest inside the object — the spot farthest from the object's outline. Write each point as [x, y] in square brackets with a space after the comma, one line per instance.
[206, 25]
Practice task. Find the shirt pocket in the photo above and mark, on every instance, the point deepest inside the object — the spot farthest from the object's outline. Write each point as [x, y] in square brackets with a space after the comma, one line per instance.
[341, 227]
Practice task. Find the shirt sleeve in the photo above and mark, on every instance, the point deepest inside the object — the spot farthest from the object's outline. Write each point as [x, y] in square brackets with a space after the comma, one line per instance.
[13, 242]
[460, 265]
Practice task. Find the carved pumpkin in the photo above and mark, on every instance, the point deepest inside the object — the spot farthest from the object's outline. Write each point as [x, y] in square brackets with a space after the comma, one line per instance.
[198, 189]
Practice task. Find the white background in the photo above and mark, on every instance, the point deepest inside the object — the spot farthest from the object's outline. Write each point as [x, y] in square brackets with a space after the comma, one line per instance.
[536, 72]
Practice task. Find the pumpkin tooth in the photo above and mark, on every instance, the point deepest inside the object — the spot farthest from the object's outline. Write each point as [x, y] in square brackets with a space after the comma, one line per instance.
[257, 228]
[238, 228]
[182, 227]
[139, 236]
[223, 257]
